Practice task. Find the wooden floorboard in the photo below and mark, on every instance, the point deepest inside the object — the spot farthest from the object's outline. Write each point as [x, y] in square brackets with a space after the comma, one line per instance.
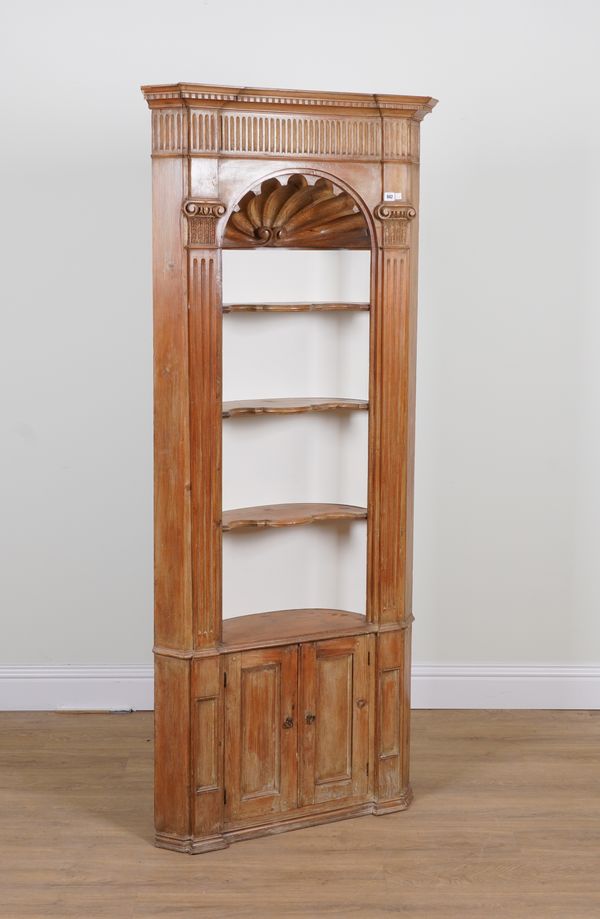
[505, 823]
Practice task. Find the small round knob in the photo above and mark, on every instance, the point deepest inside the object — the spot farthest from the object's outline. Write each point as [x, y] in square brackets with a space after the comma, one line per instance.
[289, 722]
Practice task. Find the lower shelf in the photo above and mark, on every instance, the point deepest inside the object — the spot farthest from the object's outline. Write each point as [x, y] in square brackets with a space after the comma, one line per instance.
[283, 627]
[295, 307]
[286, 515]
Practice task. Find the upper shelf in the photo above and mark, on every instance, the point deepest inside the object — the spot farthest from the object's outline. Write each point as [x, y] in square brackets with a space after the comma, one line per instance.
[295, 307]
[290, 406]
[285, 515]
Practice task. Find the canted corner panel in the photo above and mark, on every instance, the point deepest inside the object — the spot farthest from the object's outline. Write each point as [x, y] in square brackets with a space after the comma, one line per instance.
[172, 732]
[390, 708]
[207, 746]
[393, 714]
[206, 773]
[297, 210]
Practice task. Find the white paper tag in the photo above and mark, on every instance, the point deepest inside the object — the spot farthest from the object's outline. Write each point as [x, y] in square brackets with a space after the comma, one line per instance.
[392, 196]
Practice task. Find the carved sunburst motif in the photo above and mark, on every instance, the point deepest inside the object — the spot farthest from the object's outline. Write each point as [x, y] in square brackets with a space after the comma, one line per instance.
[295, 213]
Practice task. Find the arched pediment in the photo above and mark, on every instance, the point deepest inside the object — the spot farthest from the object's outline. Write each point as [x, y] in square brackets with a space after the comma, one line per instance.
[297, 211]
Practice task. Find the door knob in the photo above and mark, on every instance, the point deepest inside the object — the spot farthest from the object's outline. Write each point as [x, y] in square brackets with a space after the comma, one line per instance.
[289, 722]
[310, 718]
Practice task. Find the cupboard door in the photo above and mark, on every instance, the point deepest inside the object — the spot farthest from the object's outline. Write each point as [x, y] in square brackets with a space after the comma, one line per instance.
[335, 691]
[261, 734]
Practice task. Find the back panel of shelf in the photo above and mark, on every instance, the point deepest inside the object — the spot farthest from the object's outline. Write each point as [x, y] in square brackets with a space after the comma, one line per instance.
[306, 457]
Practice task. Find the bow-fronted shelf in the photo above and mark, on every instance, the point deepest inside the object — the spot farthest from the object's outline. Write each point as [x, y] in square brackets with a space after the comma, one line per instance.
[288, 515]
[296, 307]
[286, 406]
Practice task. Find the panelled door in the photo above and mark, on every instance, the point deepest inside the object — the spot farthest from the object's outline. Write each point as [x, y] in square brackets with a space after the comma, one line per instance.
[335, 697]
[261, 734]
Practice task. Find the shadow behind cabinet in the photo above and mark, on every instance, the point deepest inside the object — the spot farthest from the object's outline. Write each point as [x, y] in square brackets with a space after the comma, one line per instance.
[281, 719]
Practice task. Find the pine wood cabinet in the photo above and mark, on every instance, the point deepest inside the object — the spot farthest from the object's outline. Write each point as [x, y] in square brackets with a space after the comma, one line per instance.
[297, 727]
[281, 719]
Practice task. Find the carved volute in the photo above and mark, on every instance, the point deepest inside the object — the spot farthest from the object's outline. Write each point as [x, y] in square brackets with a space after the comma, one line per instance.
[297, 211]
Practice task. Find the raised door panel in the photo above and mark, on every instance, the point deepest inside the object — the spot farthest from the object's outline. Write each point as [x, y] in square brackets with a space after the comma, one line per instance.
[260, 734]
[335, 696]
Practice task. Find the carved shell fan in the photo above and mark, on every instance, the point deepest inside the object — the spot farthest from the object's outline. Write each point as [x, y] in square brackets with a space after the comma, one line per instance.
[297, 214]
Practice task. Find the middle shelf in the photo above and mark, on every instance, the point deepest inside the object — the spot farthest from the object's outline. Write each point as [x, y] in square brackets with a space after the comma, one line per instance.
[291, 406]
[285, 515]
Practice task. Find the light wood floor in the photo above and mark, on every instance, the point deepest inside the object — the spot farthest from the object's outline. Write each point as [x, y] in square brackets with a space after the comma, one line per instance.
[505, 823]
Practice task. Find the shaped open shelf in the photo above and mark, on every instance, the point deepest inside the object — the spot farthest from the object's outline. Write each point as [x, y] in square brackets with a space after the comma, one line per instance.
[291, 406]
[286, 515]
[282, 627]
[296, 307]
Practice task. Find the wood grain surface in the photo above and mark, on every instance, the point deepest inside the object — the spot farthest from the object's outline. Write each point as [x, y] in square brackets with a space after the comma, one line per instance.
[505, 825]
[285, 515]
[261, 735]
[262, 630]
[334, 713]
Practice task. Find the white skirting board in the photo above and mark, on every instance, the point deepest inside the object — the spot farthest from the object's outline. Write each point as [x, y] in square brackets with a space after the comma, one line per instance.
[76, 688]
[506, 686]
[101, 688]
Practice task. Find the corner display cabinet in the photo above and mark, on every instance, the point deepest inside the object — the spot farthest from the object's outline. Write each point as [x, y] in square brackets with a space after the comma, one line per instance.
[278, 720]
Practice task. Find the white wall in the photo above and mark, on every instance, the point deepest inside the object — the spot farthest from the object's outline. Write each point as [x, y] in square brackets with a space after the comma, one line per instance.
[508, 447]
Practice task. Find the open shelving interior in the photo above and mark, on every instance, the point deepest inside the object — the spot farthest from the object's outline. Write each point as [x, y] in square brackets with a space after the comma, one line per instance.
[294, 471]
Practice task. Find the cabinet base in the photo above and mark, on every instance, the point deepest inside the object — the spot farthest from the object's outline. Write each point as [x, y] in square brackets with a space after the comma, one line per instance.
[396, 804]
[196, 846]
[299, 822]
[189, 844]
